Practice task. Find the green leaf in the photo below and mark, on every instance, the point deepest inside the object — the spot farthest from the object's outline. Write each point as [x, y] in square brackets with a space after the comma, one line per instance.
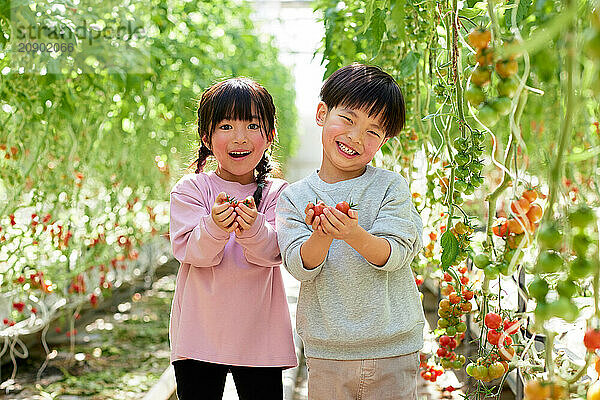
[522, 12]
[471, 3]
[368, 15]
[408, 65]
[398, 15]
[376, 31]
[450, 249]
[470, 12]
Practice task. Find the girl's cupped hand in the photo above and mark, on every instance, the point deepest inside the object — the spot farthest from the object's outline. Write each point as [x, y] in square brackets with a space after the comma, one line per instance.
[223, 214]
[246, 214]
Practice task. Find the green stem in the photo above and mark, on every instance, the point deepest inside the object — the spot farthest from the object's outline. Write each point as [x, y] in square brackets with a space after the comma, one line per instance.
[549, 347]
[565, 134]
[495, 27]
[582, 370]
[456, 72]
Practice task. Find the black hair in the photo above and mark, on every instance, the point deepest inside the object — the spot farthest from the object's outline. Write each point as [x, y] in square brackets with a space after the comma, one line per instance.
[234, 99]
[368, 88]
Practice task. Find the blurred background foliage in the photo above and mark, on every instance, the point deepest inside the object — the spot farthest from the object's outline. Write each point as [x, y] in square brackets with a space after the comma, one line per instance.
[93, 137]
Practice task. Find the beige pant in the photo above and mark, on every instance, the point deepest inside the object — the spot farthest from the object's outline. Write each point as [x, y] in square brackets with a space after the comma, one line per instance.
[372, 379]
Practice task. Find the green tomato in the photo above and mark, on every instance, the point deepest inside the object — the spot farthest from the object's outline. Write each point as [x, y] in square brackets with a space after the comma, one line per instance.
[550, 237]
[538, 289]
[470, 368]
[580, 268]
[502, 105]
[567, 288]
[564, 308]
[461, 327]
[487, 115]
[458, 200]
[460, 185]
[476, 181]
[476, 166]
[548, 262]
[491, 272]
[460, 144]
[581, 242]
[469, 189]
[474, 95]
[582, 217]
[503, 268]
[481, 260]
[442, 323]
[508, 87]
[478, 137]
[456, 364]
[451, 331]
[461, 159]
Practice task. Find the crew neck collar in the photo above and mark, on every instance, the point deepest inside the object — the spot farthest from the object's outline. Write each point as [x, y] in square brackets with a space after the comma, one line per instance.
[315, 180]
[213, 176]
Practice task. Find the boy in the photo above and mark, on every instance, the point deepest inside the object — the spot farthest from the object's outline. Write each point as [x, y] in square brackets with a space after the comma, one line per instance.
[359, 312]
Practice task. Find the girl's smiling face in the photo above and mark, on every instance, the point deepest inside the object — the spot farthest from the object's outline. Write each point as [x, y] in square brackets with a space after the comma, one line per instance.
[350, 140]
[238, 146]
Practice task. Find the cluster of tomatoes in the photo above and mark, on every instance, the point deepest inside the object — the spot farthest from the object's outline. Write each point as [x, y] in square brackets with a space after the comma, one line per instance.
[451, 321]
[343, 206]
[489, 368]
[495, 365]
[234, 202]
[497, 328]
[550, 261]
[469, 165]
[527, 215]
[490, 110]
[431, 372]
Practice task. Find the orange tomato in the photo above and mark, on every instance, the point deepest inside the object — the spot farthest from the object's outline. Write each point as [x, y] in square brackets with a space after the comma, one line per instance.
[530, 195]
[535, 391]
[593, 392]
[520, 206]
[515, 227]
[500, 229]
[597, 365]
[479, 38]
[535, 213]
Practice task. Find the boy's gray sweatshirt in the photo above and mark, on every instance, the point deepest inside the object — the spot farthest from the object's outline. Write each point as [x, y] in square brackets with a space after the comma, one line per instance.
[348, 308]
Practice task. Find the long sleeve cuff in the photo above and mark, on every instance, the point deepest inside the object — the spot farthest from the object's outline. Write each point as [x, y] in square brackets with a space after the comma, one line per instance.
[255, 228]
[213, 229]
[397, 257]
[296, 268]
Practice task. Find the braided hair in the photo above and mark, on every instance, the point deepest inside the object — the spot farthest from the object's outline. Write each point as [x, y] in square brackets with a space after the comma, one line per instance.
[236, 98]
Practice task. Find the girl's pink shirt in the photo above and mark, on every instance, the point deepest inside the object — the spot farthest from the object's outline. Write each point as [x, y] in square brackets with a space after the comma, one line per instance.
[230, 305]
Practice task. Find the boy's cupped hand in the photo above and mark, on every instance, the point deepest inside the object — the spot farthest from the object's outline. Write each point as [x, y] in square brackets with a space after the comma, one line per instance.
[332, 222]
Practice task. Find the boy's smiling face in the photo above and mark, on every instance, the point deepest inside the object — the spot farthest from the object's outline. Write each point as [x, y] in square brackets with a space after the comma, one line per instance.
[350, 140]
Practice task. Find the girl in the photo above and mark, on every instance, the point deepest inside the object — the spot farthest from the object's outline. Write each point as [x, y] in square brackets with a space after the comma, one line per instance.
[229, 312]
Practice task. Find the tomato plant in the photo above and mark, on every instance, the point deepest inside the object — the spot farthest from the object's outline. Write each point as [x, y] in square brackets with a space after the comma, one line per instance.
[496, 140]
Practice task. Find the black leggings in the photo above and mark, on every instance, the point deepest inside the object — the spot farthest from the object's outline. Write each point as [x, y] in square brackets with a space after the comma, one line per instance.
[204, 380]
